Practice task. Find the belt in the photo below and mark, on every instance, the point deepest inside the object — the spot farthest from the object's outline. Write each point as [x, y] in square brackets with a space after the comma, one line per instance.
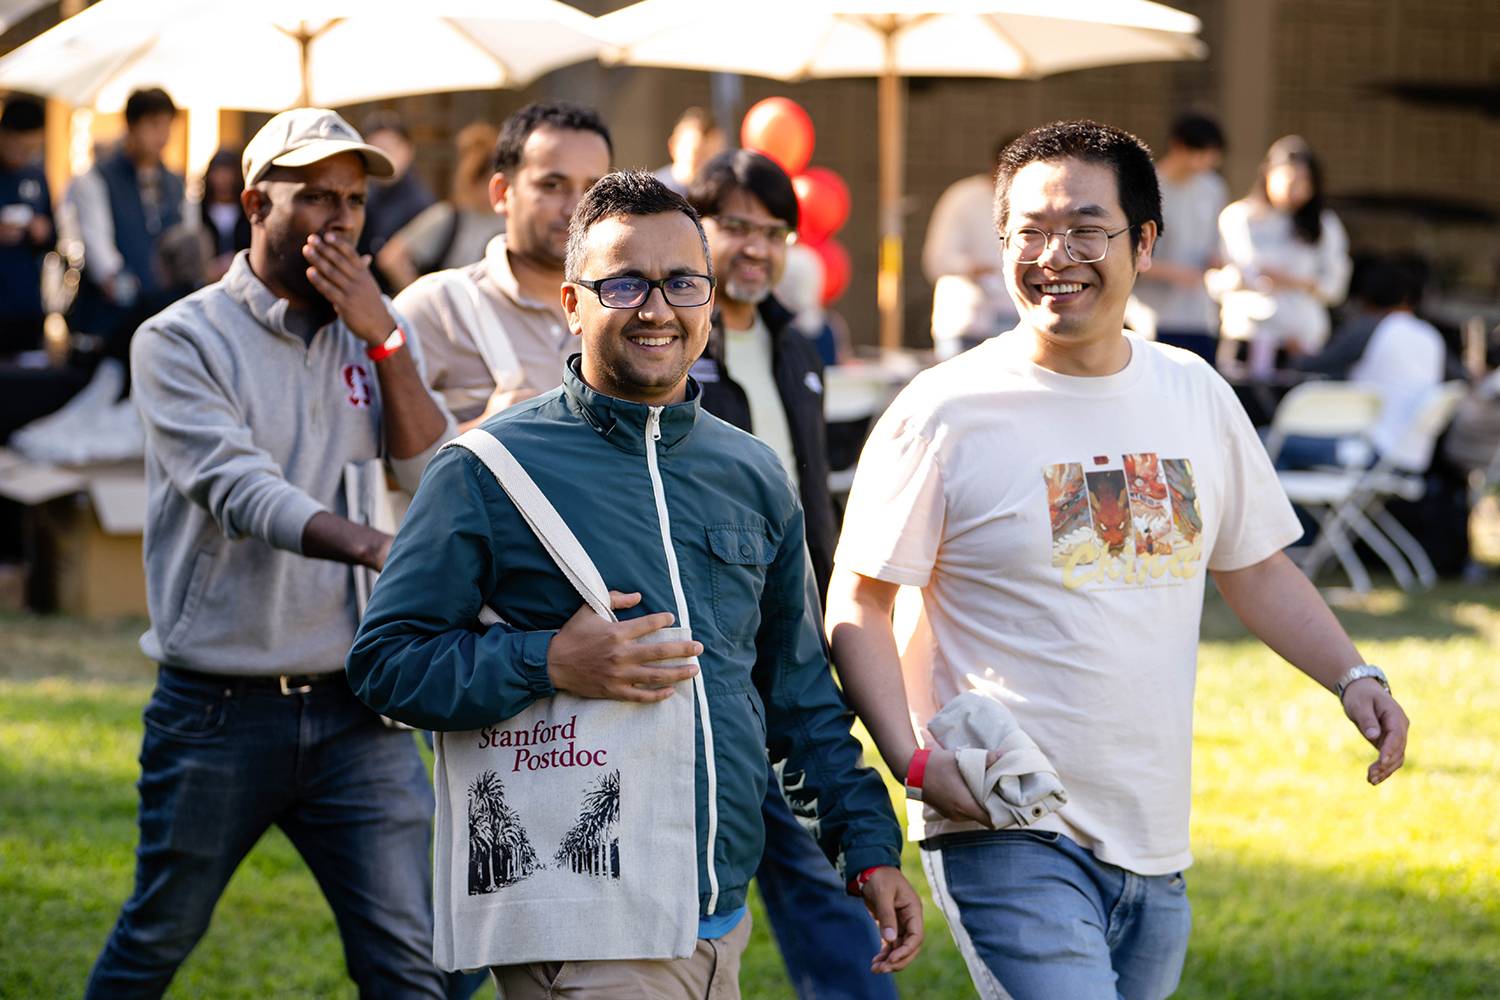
[280, 683]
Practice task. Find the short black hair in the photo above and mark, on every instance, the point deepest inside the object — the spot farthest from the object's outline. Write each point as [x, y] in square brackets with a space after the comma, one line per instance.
[1197, 131]
[143, 103]
[617, 195]
[23, 114]
[560, 114]
[1129, 158]
[754, 173]
[1388, 282]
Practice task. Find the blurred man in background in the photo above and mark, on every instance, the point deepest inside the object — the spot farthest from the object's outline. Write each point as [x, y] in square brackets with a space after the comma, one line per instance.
[1192, 196]
[962, 259]
[494, 332]
[26, 232]
[397, 201]
[119, 209]
[765, 377]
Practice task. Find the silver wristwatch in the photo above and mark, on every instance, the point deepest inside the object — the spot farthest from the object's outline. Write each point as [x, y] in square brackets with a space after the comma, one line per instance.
[1357, 673]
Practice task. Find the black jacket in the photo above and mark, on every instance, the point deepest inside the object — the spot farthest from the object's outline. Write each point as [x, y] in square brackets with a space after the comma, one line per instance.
[799, 377]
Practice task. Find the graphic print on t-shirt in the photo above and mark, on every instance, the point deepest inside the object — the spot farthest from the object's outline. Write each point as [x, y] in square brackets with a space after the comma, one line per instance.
[1138, 524]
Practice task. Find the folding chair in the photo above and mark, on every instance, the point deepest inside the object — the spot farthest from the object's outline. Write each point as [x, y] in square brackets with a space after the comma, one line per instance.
[1328, 410]
[1354, 500]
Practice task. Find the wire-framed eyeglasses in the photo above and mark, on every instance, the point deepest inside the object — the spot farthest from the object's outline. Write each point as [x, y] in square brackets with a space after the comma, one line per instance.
[627, 292]
[1084, 244]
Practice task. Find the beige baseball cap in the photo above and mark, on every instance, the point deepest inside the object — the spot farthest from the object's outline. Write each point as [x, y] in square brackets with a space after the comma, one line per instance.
[306, 135]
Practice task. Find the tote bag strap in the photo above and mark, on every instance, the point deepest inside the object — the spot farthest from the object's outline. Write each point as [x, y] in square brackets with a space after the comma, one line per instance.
[475, 313]
[543, 519]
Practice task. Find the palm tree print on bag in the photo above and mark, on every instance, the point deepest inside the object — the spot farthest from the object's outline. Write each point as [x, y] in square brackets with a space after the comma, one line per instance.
[499, 853]
[588, 848]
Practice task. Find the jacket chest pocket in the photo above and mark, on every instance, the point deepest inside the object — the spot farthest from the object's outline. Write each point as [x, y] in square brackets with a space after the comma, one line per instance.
[737, 570]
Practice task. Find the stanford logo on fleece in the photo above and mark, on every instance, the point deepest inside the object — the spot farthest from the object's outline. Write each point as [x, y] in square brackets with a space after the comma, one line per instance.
[357, 384]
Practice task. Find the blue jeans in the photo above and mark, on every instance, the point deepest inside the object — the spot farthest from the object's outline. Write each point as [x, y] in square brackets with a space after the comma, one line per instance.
[1038, 917]
[826, 936]
[220, 762]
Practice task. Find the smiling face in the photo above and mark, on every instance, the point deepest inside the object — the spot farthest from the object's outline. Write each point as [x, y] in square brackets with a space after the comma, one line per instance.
[558, 166]
[640, 354]
[748, 265]
[1076, 311]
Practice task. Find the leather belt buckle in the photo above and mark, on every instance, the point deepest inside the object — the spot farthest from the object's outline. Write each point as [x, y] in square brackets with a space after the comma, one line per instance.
[302, 689]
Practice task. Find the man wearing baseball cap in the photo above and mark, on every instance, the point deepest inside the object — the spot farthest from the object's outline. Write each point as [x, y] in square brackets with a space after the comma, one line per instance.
[256, 394]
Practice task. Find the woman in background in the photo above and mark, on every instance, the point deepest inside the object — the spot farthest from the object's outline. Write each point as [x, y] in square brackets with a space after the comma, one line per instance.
[451, 233]
[224, 220]
[1287, 262]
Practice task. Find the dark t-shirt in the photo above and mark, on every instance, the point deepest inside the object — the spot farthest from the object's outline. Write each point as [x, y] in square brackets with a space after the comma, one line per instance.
[21, 264]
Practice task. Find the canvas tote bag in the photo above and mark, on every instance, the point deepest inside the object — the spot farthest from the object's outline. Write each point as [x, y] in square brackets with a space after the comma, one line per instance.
[567, 832]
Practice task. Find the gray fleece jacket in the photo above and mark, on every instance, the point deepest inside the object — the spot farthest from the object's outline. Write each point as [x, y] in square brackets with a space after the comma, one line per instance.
[248, 429]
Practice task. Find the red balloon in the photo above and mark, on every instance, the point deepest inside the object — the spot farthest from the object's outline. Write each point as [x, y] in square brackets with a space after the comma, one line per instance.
[779, 128]
[837, 269]
[822, 202]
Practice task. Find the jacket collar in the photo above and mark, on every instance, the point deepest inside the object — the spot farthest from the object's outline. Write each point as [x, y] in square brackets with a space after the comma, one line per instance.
[251, 293]
[623, 423]
[776, 317]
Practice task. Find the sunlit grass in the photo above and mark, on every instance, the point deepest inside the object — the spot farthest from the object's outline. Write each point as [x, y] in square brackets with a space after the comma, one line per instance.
[1308, 883]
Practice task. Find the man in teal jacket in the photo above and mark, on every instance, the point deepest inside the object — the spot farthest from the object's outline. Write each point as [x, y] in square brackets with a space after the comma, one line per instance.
[627, 456]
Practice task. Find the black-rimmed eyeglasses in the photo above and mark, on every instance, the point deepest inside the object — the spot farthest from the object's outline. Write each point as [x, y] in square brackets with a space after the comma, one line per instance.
[681, 290]
[1084, 244]
[741, 229]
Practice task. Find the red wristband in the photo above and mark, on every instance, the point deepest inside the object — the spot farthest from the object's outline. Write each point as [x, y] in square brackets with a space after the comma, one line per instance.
[393, 343]
[915, 772]
[857, 883]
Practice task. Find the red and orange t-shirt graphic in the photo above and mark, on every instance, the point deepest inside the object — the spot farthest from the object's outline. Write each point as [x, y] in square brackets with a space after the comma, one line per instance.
[1133, 522]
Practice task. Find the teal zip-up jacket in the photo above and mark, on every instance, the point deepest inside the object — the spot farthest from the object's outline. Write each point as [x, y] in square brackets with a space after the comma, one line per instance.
[736, 525]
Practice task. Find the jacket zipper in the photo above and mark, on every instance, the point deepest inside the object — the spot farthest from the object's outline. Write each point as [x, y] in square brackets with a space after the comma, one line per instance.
[653, 435]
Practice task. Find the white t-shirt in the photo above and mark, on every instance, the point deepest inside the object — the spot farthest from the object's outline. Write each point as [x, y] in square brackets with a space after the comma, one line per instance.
[747, 357]
[1058, 528]
[1404, 358]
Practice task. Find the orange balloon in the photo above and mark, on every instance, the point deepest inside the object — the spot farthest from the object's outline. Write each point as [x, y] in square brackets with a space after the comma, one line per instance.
[779, 128]
[822, 203]
[837, 269]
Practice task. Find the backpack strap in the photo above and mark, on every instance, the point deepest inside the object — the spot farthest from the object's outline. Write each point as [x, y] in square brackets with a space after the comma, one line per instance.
[474, 313]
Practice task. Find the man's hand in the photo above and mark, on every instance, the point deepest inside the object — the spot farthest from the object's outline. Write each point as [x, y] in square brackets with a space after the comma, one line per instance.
[1381, 721]
[944, 789]
[897, 909]
[344, 279]
[592, 657]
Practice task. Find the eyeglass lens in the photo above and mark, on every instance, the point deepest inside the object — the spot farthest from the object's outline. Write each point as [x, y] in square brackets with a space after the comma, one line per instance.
[681, 290]
[1086, 244]
[741, 228]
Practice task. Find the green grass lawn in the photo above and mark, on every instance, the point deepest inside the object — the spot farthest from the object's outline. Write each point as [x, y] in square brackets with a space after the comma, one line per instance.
[1308, 883]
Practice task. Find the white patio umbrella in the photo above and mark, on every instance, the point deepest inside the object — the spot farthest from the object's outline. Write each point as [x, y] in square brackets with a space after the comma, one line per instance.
[894, 39]
[270, 55]
[13, 12]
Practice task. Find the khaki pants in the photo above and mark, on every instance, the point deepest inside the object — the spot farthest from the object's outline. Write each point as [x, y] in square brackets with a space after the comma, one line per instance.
[712, 973]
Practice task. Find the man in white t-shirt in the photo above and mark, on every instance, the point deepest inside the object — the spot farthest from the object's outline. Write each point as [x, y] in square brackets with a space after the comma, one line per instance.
[1057, 496]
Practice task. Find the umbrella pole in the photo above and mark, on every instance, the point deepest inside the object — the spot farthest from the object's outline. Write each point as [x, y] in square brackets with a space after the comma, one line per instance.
[892, 104]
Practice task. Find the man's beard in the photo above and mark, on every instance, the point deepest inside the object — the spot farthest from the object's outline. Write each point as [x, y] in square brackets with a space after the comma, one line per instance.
[750, 292]
[291, 267]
